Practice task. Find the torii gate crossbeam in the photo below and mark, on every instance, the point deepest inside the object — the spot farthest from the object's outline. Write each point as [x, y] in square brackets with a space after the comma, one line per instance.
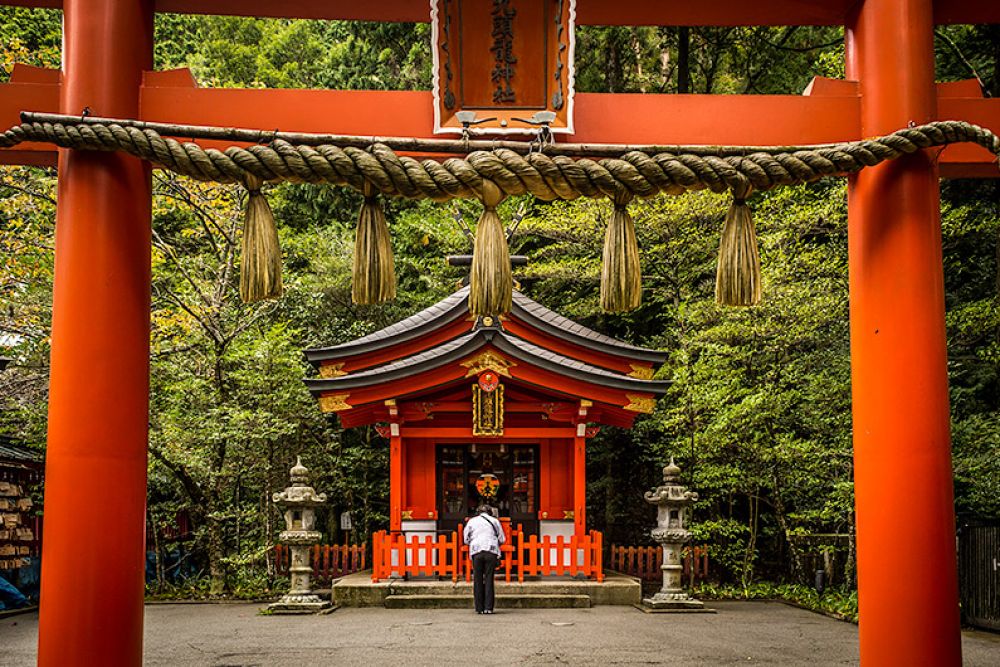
[92, 579]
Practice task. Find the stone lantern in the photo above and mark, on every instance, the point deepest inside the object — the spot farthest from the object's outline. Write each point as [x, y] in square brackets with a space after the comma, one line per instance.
[299, 502]
[673, 503]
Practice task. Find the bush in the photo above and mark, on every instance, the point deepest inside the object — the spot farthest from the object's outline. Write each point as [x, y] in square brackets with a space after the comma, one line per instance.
[839, 603]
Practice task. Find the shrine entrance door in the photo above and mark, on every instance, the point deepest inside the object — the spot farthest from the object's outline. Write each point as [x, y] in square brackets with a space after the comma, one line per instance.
[465, 472]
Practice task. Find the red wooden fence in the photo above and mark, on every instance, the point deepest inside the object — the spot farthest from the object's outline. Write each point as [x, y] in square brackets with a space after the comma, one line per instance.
[644, 562]
[328, 561]
[576, 555]
[393, 554]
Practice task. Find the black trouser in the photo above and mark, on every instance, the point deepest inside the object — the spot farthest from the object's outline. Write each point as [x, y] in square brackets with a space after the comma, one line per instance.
[484, 564]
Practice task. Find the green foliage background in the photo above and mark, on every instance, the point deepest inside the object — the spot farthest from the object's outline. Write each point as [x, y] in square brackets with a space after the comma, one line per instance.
[759, 410]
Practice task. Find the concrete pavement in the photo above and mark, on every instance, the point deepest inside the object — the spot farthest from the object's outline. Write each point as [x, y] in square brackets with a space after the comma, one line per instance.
[741, 633]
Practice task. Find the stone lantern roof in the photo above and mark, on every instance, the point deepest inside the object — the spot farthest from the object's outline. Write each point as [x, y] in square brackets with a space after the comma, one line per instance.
[299, 494]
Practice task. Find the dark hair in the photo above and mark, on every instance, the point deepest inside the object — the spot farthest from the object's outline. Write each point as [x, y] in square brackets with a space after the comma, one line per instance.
[485, 509]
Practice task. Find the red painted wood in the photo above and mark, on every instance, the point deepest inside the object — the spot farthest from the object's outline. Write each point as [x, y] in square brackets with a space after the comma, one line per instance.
[358, 362]
[93, 562]
[579, 486]
[16, 97]
[397, 555]
[328, 561]
[571, 387]
[557, 384]
[395, 482]
[557, 478]
[420, 487]
[966, 11]
[722, 119]
[589, 12]
[419, 410]
[968, 160]
[898, 357]
[568, 349]
[464, 433]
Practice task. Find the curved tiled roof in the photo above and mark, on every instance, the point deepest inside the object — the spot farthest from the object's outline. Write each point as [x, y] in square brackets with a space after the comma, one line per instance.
[446, 310]
[454, 306]
[11, 451]
[462, 346]
[554, 323]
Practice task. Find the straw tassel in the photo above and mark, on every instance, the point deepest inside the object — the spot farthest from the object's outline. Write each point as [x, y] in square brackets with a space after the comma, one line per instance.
[621, 274]
[260, 267]
[491, 283]
[374, 274]
[738, 280]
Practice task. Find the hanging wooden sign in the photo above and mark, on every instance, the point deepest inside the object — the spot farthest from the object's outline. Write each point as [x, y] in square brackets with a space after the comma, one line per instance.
[487, 410]
[497, 63]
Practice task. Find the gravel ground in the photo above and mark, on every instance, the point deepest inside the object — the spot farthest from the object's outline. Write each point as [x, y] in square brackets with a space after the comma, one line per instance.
[741, 633]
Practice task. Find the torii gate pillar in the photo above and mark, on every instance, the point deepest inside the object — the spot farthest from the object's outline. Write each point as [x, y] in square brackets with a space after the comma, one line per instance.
[95, 491]
[907, 576]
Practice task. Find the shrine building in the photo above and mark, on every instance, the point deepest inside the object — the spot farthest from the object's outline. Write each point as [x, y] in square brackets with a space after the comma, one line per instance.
[487, 409]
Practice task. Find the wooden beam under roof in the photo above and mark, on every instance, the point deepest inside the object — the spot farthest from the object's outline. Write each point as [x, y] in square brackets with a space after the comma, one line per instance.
[829, 114]
[589, 12]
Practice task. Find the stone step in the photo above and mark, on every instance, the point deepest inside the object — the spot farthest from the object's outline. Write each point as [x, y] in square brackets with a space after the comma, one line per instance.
[358, 590]
[502, 588]
[449, 601]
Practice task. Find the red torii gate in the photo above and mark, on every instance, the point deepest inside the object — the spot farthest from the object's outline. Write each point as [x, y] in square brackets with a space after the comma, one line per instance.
[92, 579]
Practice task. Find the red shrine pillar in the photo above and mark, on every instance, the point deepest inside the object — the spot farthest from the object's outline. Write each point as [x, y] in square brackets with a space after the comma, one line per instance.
[395, 469]
[93, 562]
[580, 471]
[907, 575]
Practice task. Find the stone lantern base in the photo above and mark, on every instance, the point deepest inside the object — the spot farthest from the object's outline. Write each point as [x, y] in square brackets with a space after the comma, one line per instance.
[673, 602]
[299, 604]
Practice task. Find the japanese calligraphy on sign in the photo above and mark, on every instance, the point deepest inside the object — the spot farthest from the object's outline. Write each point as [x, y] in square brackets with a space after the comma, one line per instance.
[501, 62]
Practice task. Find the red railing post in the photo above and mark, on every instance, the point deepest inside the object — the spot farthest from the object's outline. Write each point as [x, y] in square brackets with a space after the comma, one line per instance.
[599, 555]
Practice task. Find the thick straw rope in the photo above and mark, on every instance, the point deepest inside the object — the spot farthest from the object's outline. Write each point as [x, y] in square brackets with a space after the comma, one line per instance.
[546, 177]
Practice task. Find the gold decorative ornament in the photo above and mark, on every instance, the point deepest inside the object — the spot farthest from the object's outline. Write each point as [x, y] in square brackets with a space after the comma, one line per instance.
[640, 403]
[641, 372]
[488, 361]
[333, 370]
[334, 403]
[487, 411]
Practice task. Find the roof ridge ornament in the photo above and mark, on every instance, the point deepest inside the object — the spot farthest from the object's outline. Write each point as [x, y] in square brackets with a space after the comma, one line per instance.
[488, 361]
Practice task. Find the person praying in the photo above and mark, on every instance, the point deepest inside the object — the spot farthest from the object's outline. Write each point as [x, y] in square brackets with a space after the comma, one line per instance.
[484, 535]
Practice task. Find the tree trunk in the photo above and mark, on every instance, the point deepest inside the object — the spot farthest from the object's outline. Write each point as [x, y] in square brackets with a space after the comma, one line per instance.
[214, 521]
[158, 555]
[753, 509]
[781, 516]
[267, 510]
[637, 52]
[683, 60]
[216, 554]
[850, 566]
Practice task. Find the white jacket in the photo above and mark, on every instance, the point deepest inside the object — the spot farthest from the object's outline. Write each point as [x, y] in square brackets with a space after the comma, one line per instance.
[484, 533]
